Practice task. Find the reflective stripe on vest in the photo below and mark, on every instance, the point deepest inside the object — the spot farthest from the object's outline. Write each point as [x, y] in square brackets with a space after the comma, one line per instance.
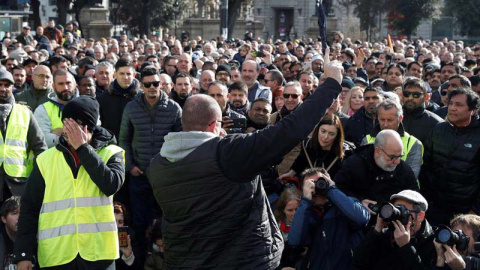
[76, 217]
[54, 114]
[407, 140]
[13, 148]
[82, 228]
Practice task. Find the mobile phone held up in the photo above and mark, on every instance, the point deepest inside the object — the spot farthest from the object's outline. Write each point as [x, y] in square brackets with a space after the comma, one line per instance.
[239, 123]
[123, 236]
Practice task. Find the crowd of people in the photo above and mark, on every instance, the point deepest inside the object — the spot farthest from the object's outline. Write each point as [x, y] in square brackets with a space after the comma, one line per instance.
[238, 153]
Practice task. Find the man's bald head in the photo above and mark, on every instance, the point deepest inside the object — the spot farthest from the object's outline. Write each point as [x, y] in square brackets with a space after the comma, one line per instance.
[199, 112]
[387, 137]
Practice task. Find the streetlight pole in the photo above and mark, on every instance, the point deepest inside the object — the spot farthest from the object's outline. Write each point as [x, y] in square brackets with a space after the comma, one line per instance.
[176, 8]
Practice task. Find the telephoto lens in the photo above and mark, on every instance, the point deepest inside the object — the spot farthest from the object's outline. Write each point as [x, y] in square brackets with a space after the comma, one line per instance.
[390, 212]
[321, 186]
[445, 235]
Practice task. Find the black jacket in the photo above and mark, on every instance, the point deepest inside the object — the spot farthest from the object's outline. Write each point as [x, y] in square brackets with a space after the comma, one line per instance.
[451, 170]
[218, 216]
[142, 131]
[112, 104]
[360, 177]
[420, 122]
[377, 251]
[358, 126]
[107, 175]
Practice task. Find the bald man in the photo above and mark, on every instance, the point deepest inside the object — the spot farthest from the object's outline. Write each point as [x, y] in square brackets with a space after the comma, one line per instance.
[41, 90]
[216, 213]
[377, 171]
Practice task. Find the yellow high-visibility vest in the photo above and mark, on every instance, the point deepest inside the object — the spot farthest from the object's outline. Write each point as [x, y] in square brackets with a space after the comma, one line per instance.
[407, 140]
[13, 148]
[54, 113]
[76, 217]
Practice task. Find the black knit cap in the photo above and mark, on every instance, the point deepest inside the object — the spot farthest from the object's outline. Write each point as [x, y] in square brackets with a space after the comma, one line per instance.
[84, 110]
[224, 67]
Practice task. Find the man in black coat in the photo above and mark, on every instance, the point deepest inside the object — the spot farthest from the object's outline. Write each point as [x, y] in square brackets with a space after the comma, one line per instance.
[450, 176]
[146, 121]
[375, 172]
[397, 245]
[216, 213]
[417, 121]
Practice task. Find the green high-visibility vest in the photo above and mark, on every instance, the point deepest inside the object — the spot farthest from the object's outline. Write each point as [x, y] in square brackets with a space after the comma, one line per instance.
[76, 217]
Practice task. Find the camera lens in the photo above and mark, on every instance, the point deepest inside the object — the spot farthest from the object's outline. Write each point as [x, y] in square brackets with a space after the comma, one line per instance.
[444, 236]
[321, 186]
[386, 211]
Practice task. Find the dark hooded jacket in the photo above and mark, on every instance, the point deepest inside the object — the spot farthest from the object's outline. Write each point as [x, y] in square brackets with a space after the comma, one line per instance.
[113, 102]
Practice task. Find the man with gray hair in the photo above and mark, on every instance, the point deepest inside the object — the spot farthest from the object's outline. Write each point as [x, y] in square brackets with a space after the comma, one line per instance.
[390, 116]
[216, 212]
[103, 76]
[376, 171]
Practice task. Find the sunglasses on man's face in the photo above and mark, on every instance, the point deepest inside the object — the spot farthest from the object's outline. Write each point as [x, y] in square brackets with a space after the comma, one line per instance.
[295, 96]
[413, 94]
[149, 84]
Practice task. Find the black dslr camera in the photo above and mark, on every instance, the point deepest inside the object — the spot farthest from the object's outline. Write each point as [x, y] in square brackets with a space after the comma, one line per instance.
[445, 235]
[321, 186]
[390, 212]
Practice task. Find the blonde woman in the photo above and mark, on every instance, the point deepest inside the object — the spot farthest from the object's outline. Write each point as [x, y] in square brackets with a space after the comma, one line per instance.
[353, 101]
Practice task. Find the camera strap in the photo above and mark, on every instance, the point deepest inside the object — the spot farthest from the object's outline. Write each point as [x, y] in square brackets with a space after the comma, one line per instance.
[314, 165]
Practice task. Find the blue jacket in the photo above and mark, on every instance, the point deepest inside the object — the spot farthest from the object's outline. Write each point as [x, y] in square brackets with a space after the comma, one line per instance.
[331, 238]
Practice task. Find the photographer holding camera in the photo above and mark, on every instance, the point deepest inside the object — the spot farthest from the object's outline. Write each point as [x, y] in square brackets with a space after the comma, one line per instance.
[327, 221]
[456, 247]
[401, 239]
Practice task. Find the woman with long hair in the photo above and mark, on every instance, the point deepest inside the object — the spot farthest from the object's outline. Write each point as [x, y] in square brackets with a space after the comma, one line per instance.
[326, 149]
[353, 101]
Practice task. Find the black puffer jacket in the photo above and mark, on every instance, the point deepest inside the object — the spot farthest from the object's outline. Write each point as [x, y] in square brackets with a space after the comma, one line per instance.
[217, 215]
[420, 122]
[451, 169]
[113, 102]
[358, 126]
[360, 177]
[142, 131]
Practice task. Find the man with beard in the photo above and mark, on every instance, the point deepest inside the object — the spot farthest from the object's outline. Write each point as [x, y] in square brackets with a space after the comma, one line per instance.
[416, 119]
[433, 79]
[21, 135]
[224, 74]
[293, 99]
[49, 114]
[238, 98]
[182, 89]
[376, 171]
[362, 122]
[219, 92]
[20, 76]
[250, 72]
[146, 121]
[41, 90]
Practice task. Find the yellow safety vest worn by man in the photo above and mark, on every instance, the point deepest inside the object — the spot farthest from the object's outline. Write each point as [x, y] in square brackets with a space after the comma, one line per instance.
[20, 139]
[69, 195]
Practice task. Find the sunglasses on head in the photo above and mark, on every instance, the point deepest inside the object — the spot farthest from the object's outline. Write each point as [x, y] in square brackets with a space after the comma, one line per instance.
[149, 84]
[290, 95]
[413, 94]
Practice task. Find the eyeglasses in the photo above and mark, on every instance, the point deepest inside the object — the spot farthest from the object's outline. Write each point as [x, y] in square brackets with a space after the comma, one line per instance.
[413, 94]
[444, 93]
[149, 84]
[391, 157]
[294, 96]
